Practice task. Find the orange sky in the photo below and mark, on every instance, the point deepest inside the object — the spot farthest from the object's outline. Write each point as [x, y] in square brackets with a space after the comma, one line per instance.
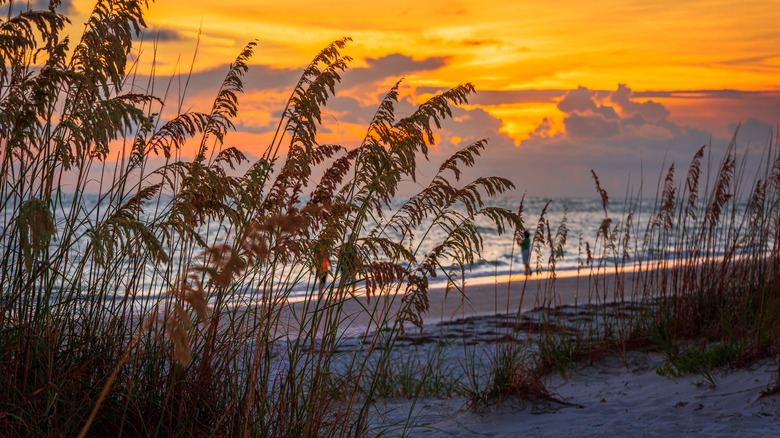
[686, 56]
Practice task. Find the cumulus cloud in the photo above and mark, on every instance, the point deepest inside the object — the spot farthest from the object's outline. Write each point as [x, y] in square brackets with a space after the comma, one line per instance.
[615, 134]
[648, 110]
[627, 139]
[759, 132]
[598, 114]
[590, 126]
[579, 100]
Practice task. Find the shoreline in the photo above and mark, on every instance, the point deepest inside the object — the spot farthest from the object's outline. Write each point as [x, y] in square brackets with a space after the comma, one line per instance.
[504, 295]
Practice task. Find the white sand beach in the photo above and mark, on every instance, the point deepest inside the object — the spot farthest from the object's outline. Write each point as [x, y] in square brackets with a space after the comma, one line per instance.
[607, 397]
[610, 399]
[490, 296]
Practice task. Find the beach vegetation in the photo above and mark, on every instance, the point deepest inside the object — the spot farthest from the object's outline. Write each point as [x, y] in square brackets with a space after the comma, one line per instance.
[660, 331]
[507, 375]
[696, 266]
[419, 374]
[558, 353]
[703, 267]
[148, 265]
[695, 360]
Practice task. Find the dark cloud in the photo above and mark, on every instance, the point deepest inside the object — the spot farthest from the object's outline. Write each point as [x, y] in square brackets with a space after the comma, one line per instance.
[374, 81]
[263, 77]
[65, 7]
[644, 126]
[759, 132]
[698, 94]
[634, 121]
[348, 105]
[391, 66]
[496, 97]
[38, 5]
[671, 127]
[607, 112]
[586, 117]
[580, 100]
[590, 126]
[267, 89]
[649, 110]
[207, 82]
[164, 35]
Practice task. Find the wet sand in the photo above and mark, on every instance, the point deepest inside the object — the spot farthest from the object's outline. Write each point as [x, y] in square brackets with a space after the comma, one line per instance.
[481, 296]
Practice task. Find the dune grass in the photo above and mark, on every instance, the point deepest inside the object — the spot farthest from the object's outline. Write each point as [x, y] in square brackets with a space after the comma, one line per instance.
[694, 275]
[154, 306]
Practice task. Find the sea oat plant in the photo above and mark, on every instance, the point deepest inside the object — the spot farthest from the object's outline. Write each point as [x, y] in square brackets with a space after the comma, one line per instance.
[700, 264]
[159, 305]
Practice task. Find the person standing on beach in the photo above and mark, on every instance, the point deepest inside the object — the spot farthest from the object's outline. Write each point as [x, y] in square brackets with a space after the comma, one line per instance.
[525, 246]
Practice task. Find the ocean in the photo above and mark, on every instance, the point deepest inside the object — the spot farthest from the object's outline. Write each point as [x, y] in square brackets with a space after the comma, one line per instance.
[579, 219]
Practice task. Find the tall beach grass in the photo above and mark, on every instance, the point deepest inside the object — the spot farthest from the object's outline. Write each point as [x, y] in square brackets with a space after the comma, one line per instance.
[692, 274]
[157, 306]
[693, 271]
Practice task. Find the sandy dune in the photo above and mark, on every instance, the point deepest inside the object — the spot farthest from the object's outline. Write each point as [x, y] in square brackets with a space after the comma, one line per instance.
[607, 398]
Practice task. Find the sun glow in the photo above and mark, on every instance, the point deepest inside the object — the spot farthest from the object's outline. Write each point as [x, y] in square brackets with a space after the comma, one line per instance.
[647, 44]
[499, 46]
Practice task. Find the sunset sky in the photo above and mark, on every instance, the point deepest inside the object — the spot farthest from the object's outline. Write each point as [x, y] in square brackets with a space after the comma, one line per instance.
[563, 86]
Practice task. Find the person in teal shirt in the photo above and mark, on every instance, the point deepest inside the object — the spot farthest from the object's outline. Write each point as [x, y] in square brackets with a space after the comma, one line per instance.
[525, 246]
